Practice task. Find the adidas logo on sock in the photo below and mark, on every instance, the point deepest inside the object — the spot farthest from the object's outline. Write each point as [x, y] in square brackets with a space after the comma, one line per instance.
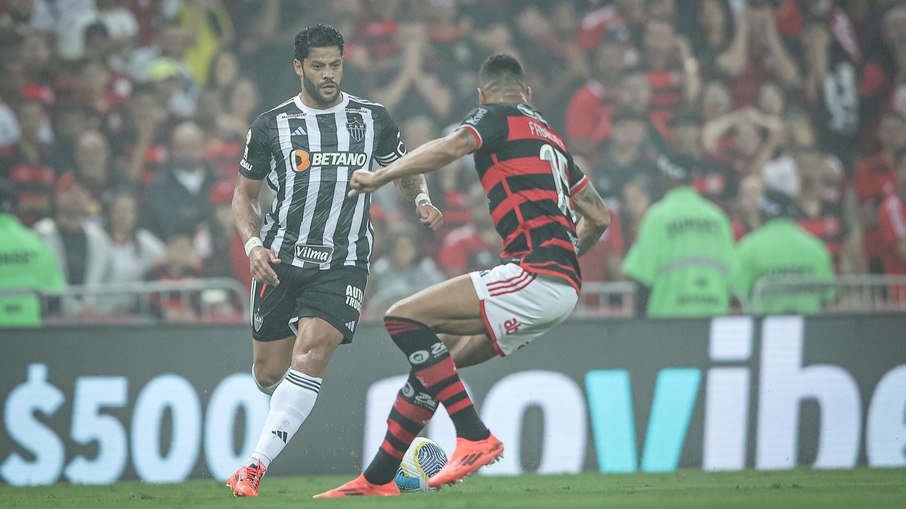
[300, 132]
[280, 434]
[350, 326]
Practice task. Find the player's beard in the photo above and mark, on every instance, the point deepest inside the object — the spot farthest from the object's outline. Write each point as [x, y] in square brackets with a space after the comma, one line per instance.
[315, 92]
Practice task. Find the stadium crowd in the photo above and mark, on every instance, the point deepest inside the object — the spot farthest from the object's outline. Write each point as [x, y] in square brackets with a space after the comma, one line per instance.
[122, 122]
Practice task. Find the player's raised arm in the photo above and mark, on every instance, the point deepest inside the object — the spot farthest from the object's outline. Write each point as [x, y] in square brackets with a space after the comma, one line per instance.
[429, 157]
[594, 220]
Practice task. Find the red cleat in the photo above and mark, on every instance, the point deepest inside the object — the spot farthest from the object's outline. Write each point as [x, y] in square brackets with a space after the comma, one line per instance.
[469, 456]
[360, 487]
[246, 480]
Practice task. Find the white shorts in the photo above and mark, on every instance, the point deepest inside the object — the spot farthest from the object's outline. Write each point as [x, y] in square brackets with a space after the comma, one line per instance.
[518, 306]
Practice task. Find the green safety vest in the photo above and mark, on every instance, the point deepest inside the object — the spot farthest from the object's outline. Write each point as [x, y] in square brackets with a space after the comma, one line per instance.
[25, 263]
[780, 248]
[685, 253]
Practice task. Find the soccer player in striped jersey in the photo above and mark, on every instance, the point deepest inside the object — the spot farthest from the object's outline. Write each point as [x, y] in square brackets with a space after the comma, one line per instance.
[309, 259]
[534, 190]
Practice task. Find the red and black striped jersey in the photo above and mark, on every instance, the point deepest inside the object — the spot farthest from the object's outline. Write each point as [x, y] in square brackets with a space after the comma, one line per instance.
[529, 178]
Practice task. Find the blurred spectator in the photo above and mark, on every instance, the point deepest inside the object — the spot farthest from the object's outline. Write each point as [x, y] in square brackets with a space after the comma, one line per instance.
[684, 256]
[782, 249]
[241, 105]
[98, 89]
[875, 180]
[178, 198]
[635, 200]
[217, 243]
[798, 136]
[135, 250]
[831, 90]
[118, 22]
[758, 53]
[57, 16]
[25, 263]
[174, 85]
[180, 264]
[772, 99]
[413, 84]
[882, 86]
[35, 184]
[82, 247]
[672, 70]
[38, 66]
[400, 273]
[222, 150]
[626, 17]
[92, 168]
[821, 203]
[715, 100]
[744, 139]
[554, 61]
[711, 29]
[223, 73]
[747, 211]
[893, 225]
[473, 246]
[211, 29]
[714, 181]
[588, 115]
[33, 148]
[69, 121]
[139, 131]
[626, 157]
[11, 82]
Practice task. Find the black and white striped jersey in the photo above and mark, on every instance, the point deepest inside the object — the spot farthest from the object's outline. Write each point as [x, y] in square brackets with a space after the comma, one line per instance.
[307, 156]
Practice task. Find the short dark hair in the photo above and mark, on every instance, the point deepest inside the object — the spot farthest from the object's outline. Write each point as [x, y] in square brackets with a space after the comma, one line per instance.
[316, 36]
[501, 71]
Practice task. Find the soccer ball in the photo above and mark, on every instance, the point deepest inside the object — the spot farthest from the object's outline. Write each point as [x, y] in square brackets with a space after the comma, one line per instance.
[423, 459]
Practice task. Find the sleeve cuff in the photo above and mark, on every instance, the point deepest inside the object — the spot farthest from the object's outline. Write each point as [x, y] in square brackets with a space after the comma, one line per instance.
[579, 185]
[474, 133]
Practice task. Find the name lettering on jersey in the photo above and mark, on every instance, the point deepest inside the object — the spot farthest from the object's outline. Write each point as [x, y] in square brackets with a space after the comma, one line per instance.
[245, 164]
[303, 160]
[540, 131]
[313, 254]
[354, 297]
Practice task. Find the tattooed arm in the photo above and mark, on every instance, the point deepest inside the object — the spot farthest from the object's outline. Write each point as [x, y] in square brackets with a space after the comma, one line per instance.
[594, 218]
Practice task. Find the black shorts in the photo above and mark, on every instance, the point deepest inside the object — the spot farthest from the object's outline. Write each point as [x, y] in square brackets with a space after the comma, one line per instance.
[333, 295]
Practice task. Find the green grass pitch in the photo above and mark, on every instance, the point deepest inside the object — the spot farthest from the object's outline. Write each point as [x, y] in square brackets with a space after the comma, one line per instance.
[812, 489]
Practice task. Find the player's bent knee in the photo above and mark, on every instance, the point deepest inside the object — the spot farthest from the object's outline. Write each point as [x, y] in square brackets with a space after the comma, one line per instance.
[267, 379]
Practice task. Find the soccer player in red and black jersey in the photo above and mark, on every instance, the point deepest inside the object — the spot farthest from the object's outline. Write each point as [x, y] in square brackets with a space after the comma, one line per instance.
[534, 190]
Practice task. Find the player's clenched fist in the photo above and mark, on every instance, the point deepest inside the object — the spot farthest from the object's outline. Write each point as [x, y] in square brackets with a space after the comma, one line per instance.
[260, 261]
[429, 216]
[363, 181]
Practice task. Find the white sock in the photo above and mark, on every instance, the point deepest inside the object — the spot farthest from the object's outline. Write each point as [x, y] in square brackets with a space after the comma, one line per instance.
[290, 405]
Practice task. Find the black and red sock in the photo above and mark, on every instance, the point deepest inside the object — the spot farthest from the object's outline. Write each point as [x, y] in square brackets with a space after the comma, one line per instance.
[434, 368]
[411, 411]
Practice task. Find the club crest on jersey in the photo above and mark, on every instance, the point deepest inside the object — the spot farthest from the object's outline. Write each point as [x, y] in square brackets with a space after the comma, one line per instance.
[313, 254]
[356, 130]
[257, 321]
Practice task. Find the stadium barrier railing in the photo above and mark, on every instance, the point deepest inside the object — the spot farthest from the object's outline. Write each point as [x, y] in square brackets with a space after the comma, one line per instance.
[202, 300]
[844, 294]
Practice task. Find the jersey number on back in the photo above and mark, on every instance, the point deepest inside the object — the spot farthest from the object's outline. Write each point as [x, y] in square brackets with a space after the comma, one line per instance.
[559, 170]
